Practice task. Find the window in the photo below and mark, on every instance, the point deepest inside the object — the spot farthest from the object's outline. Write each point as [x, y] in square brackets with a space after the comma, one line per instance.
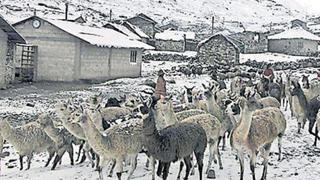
[256, 37]
[133, 57]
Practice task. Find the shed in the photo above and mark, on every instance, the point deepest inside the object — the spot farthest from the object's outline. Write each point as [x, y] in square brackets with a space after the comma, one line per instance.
[218, 49]
[178, 41]
[295, 41]
[145, 23]
[9, 37]
[68, 51]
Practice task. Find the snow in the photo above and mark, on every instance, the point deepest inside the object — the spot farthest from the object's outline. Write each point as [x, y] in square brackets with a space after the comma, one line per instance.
[137, 30]
[124, 30]
[186, 53]
[315, 28]
[270, 57]
[175, 35]
[101, 37]
[295, 33]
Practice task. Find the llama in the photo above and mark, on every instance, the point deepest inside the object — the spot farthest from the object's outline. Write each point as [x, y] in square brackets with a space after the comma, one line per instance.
[255, 133]
[27, 140]
[117, 142]
[175, 142]
[317, 128]
[312, 111]
[299, 105]
[62, 138]
[310, 88]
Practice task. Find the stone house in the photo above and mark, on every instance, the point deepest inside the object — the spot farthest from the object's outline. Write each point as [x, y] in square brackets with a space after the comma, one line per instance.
[169, 26]
[254, 42]
[295, 41]
[177, 41]
[69, 51]
[9, 37]
[145, 23]
[128, 29]
[218, 49]
[299, 23]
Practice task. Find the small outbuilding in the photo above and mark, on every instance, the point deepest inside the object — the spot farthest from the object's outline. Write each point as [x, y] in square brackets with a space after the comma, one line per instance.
[218, 49]
[145, 23]
[177, 41]
[295, 41]
[9, 37]
[253, 42]
[68, 51]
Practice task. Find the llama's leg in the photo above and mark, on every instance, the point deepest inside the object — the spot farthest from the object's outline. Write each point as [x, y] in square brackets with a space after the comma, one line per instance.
[153, 164]
[160, 168]
[187, 161]
[211, 154]
[280, 146]
[133, 165]
[113, 164]
[241, 160]
[165, 171]
[58, 157]
[199, 157]
[180, 169]
[253, 160]
[265, 156]
[51, 152]
[315, 137]
[97, 157]
[224, 142]
[193, 165]
[299, 127]
[70, 152]
[21, 162]
[119, 166]
[219, 158]
[84, 157]
[29, 158]
[102, 165]
[147, 163]
[79, 152]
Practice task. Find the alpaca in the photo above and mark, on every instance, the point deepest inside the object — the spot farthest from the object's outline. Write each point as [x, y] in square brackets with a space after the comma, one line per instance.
[27, 140]
[317, 128]
[117, 142]
[175, 142]
[255, 133]
[62, 138]
[299, 105]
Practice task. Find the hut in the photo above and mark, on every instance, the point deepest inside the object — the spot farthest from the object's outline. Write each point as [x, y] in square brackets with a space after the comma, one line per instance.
[218, 49]
[295, 41]
[254, 42]
[68, 51]
[9, 37]
[145, 23]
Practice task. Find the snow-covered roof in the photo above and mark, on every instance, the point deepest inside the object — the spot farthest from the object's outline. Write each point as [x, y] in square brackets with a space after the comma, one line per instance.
[123, 30]
[136, 30]
[175, 35]
[295, 33]
[315, 28]
[101, 37]
[201, 43]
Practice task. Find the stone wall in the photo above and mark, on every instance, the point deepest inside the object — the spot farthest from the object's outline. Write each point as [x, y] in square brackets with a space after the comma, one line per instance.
[254, 42]
[305, 63]
[168, 57]
[218, 49]
[169, 45]
[191, 45]
[3, 51]
[298, 47]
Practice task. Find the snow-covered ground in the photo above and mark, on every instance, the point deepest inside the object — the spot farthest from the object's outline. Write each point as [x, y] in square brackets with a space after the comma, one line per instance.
[270, 57]
[300, 161]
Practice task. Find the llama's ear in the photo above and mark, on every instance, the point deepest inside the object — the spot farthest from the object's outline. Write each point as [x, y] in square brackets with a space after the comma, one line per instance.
[192, 87]
[141, 99]
[81, 108]
[98, 107]
[204, 86]
[185, 87]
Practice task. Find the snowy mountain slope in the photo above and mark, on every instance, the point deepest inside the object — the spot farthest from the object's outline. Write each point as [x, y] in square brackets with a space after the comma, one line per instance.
[251, 13]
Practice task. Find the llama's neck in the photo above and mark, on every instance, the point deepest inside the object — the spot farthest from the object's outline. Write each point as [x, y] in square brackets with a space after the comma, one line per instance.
[74, 128]
[94, 137]
[53, 133]
[303, 100]
[170, 115]
[245, 123]
[6, 130]
[214, 108]
[149, 129]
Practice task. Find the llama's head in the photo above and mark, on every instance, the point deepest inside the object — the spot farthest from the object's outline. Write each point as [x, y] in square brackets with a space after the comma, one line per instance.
[189, 93]
[297, 90]
[305, 81]
[44, 120]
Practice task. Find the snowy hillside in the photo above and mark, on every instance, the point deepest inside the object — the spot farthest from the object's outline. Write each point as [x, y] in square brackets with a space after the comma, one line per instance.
[228, 13]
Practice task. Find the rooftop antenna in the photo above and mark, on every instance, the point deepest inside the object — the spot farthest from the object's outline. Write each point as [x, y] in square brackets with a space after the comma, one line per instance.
[34, 12]
[110, 15]
[66, 13]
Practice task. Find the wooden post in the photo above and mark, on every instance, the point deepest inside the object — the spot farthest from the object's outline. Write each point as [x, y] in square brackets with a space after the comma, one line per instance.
[66, 13]
[110, 15]
[212, 25]
[184, 42]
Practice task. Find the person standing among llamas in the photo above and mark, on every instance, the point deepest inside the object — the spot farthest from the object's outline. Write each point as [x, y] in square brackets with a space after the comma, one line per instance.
[161, 90]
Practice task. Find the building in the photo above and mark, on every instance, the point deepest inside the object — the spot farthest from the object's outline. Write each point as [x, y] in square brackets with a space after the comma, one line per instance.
[218, 49]
[68, 51]
[145, 23]
[315, 29]
[128, 29]
[294, 41]
[9, 37]
[254, 42]
[169, 26]
[177, 41]
[299, 23]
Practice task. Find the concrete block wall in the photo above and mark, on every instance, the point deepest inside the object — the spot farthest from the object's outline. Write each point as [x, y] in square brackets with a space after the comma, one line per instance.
[293, 46]
[3, 52]
[56, 51]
